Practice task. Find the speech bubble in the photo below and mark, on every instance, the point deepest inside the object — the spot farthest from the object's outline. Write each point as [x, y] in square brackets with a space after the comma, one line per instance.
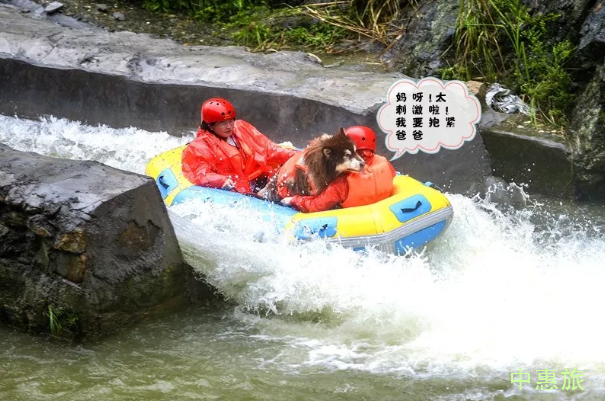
[427, 115]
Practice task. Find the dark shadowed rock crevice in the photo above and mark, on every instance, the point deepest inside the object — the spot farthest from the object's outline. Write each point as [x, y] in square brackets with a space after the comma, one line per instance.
[91, 243]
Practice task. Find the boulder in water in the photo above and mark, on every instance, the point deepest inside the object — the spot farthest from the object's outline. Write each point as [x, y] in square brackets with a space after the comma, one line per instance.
[85, 249]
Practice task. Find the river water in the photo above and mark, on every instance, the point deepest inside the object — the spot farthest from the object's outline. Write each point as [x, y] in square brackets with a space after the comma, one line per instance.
[503, 289]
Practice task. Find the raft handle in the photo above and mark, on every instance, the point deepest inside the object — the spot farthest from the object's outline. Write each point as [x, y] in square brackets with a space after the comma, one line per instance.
[323, 227]
[162, 182]
[411, 209]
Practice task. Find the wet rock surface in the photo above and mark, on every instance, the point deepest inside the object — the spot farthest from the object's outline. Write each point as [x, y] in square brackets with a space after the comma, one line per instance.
[429, 31]
[147, 59]
[130, 17]
[539, 162]
[90, 241]
[588, 121]
[589, 139]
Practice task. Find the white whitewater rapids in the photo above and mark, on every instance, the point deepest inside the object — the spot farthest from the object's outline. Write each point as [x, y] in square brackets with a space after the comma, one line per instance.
[497, 292]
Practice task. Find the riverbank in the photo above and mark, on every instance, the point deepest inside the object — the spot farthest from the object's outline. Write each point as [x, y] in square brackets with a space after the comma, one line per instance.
[115, 16]
[360, 54]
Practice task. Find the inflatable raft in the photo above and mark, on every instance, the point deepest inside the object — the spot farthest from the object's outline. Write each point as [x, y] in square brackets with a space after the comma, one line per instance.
[413, 215]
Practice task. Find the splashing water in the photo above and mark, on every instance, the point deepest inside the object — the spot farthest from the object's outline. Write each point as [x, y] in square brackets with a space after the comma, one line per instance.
[500, 290]
[127, 149]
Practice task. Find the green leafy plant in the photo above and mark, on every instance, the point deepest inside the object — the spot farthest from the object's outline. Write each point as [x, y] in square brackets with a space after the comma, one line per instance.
[374, 19]
[248, 27]
[166, 6]
[54, 314]
[455, 71]
[318, 35]
[253, 34]
[474, 38]
[58, 317]
[548, 84]
[261, 29]
[259, 24]
[221, 10]
[536, 68]
[203, 10]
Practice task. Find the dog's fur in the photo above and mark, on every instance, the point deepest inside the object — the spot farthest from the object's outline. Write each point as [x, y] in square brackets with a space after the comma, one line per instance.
[326, 157]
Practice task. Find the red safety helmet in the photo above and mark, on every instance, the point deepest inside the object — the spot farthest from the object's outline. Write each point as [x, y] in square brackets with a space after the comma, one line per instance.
[217, 109]
[363, 137]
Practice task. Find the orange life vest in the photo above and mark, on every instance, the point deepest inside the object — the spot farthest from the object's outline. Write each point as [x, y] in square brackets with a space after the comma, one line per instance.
[374, 184]
[288, 172]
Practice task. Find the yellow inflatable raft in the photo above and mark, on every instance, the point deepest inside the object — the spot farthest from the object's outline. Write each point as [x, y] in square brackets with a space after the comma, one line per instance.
[413, 215]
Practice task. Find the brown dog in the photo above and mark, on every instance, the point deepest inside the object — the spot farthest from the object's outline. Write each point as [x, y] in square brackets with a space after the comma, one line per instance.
[312, 170]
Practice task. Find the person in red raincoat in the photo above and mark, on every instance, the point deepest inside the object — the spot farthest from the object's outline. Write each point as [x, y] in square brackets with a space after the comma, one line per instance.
[374, 183]
[230, 154]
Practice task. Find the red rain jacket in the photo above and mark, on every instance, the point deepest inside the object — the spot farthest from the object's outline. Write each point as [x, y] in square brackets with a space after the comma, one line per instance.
[209, 161]
[374, 184]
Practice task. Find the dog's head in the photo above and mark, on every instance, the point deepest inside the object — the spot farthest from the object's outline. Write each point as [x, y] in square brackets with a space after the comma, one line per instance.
[326, 157]
[339, 153]
[329, 156]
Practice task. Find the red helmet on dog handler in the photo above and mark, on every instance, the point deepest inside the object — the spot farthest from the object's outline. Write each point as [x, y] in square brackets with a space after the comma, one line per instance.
[363, 137]
[217, 109]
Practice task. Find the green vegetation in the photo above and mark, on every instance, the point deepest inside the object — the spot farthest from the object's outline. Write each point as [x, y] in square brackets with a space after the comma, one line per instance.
[208, 10]
[374, 19]
[53, 317]
[57, 317]
[487, 29]
[271, 24]
[263, 29]
[495, 40]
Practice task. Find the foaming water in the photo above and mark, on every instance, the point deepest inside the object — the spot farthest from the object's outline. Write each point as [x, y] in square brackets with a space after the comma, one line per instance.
[502, 289]
[127, 149]
[485, 294]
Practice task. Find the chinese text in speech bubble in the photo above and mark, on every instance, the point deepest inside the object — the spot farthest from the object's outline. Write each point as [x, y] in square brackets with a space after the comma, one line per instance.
[427, 115]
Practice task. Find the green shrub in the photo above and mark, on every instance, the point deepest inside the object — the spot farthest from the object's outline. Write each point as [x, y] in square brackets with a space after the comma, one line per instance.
[203, 10]
[487, 29]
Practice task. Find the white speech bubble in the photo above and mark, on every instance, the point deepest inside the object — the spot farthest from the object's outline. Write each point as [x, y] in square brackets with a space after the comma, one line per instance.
[427, 115]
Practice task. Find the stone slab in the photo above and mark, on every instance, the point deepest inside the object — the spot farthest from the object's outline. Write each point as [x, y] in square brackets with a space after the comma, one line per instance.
[87, 239]
[543, 163]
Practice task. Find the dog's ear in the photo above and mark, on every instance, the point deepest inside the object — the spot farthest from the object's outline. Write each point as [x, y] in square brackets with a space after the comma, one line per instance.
[327, 152]
[341, 131]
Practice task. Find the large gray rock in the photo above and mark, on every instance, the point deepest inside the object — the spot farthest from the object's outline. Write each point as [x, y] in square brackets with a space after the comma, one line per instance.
[542, 163]
[427, 36]
[124, 79]
[89, 242]
[571, 14]
[588, 119]
[592, 39]
[588, 127]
